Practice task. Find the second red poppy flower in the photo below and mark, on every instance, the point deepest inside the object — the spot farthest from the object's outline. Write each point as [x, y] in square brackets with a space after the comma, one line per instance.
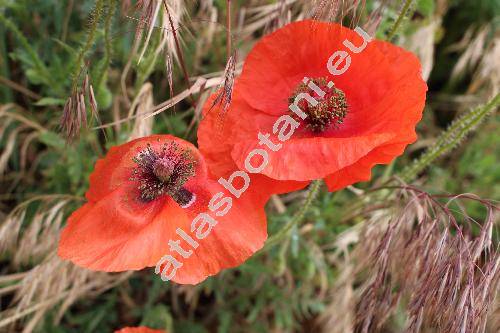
[323, 101]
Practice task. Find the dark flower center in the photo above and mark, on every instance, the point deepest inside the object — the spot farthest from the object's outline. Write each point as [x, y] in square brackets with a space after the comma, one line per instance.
[330, 110]
[164, 172]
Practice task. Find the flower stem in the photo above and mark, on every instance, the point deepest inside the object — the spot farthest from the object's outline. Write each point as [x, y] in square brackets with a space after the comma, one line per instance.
[299, 215]
[450, 138]
[400, 19]
[95, 17]
[107, 41]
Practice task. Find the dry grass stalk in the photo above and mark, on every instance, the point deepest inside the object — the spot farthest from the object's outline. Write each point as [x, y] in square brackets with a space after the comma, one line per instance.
[340, 10]
[439, 265]
[142, 103]
[488, 70]
[480, 51]
[149, 11]
[225, 89]
[422, 43]
[30, 240]
[166, 17]
[334, 10]
[199, 85]
[16, 86]
[53, 282]
[269, 15]
[18, 132]
[153, 15]
[473, 46]
[448, 274]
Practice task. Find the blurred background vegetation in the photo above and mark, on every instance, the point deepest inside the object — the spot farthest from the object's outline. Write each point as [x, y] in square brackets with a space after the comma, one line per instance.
[52, 50]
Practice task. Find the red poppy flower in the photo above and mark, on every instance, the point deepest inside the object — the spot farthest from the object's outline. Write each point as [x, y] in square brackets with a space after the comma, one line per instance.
[150, 200]
[141, 329]
[334, 102]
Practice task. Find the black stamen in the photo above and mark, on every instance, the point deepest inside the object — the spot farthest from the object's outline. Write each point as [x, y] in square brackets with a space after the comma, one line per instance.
[184, 197]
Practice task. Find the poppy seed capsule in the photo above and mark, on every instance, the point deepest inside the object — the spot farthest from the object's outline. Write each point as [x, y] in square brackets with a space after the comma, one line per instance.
[330, 110]
[163, 168]
[164, 172]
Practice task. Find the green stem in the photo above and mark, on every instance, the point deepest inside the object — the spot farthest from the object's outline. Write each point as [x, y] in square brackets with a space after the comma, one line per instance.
[400, 19]
[107, 41]
[5, 91]
[94, 22]
[450, 138]
[299, 215]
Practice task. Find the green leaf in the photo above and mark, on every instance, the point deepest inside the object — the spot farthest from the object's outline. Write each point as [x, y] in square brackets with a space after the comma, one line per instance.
[51, 139]
[426, 7]
[104, 97]
[47, 101]
[35, 76]
[158, 317]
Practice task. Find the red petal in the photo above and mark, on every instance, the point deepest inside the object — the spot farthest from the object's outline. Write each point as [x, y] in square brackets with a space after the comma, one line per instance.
[141, 329]
[113, 235]
[312, 158]
[117, 233]
[216, 136]
[361, 170]
[279, 61]
[237, 236]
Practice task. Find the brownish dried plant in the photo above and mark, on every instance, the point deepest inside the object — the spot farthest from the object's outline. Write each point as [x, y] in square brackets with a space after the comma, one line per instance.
[436, 262]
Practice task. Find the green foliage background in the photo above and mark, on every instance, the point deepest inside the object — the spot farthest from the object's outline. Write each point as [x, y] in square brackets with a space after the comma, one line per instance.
[43, 48]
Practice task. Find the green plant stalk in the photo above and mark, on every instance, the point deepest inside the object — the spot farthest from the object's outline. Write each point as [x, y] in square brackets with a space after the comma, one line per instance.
[107, 41]
[450, 138]
[299, 215]
[91, 34]
[5, 91]
[401, 17]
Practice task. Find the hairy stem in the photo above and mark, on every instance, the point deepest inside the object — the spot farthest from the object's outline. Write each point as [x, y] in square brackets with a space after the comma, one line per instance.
[107, 41]
[401, 17]
[91, 34]
[450, 138]
[299, 215]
